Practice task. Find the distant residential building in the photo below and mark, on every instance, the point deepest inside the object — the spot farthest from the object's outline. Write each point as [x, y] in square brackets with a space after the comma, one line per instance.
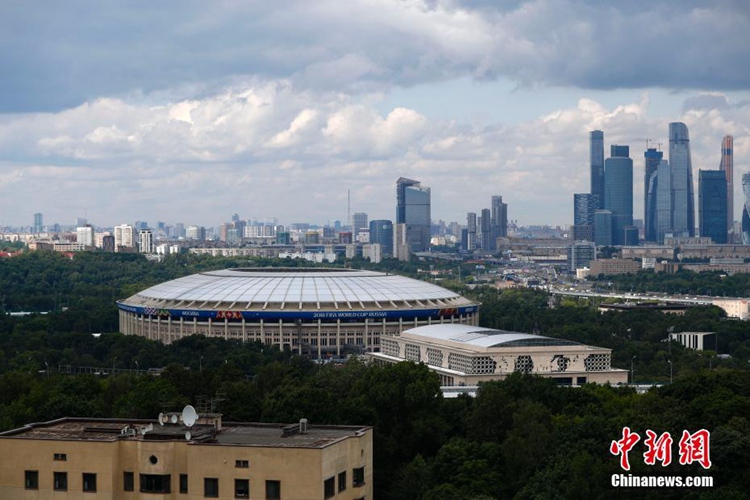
[197, 233]
[85, 235]
[38, 223]
[712, 196]
[146, 241]
[651, 182]
[372, 251]
[489, 244]
[499, 225]
[124, 237]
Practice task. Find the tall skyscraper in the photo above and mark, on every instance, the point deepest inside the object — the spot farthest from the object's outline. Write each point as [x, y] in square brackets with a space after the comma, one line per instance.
[413, 210]
[471, 231]
[38, 223]
[727, 166]
[603, 227]
[596, 163]
[683, 218]
[653, 158]
[746, 208]
[485, 222]
[618, 191]
[584, 207]
[664, 200]
[381, 231]
[499, 219]
[712, 200]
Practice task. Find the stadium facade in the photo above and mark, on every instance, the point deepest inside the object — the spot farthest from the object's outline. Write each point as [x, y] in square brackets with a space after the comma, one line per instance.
[314, 311]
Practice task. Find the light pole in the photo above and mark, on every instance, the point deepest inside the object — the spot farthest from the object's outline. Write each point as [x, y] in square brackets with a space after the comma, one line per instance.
[632, 370]
[137, 366]
[47, 370]
[670, 370]
[200, 364]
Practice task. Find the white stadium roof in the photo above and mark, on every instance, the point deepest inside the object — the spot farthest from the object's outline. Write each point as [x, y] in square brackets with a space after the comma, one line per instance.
[478, 336]
[299, 288]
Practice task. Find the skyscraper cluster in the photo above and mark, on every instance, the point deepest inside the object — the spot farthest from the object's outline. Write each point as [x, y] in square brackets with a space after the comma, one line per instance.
[483, 232]
[605, 215]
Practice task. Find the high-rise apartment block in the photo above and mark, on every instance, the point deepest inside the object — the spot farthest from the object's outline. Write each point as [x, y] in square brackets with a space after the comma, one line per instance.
[124, 237]
[712, 195]
[85, 235]
[499, 219]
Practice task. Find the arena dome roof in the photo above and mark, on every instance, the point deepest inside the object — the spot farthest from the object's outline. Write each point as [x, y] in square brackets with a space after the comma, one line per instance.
[290, 289]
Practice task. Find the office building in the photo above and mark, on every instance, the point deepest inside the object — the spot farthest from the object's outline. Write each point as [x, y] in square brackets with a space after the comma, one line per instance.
[381, 233]
[712, 203]
[652, 160]
[683, 214]
[664, 201]
[413, 210]
[176, 456]
[603, 228]
[359, 222]
[585, 206]
[596, 164]
[727, 166]
[618, 190]
[467, 355]
[38, 223]
[485, 224]
[580, 255]
[197, 233]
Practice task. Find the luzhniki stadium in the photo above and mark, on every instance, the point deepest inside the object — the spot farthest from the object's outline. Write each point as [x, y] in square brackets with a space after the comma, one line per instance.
[314, 311]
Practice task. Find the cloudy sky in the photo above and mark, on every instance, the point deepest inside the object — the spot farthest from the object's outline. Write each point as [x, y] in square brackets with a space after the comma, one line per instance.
[190, 111]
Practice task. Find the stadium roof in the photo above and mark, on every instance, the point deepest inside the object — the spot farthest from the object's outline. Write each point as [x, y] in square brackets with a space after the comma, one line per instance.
[478, 336]
[298, 288]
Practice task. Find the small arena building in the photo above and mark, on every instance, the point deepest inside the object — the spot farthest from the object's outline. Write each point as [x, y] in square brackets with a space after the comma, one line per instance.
[314, 311]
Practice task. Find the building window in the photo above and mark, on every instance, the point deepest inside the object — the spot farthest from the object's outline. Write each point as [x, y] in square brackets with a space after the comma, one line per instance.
[31, 479]
[211, 487]
[329, 487]
[128, 481]
[242, 464]
[156, 483]
[61, 457]
[358, 476]
[273, 490]
[241, 488]
[183, 483]
[342, 481]
[89, 482]
[60, 481]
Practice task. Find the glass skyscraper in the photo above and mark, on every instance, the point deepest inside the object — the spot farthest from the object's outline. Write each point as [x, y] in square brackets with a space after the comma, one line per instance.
[653, 158]
[727, 166]
[596, 162]
[584, 207]
[413, 210]
[683, 216]
[712, 200]
[381, 231]
[618, 191]
[746, 208]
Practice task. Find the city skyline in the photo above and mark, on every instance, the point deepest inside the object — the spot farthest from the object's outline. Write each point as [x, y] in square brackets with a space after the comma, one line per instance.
[190, 112]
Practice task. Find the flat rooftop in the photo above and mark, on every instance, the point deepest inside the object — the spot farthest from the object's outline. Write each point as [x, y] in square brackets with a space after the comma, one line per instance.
[231, 433]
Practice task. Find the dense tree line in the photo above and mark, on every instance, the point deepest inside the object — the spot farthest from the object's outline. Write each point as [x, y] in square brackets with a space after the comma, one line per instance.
[522, 438]
[683, 282]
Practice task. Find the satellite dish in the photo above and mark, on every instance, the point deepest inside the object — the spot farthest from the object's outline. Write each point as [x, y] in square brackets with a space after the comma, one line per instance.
[189, 416]
[174, 419]
[188, 435]
[162, 418]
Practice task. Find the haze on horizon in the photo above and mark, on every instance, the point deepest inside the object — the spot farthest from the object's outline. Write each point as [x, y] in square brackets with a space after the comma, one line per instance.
[190, 111]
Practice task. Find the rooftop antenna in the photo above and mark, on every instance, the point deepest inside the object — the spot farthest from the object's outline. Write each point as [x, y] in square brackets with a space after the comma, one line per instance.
[189, 416]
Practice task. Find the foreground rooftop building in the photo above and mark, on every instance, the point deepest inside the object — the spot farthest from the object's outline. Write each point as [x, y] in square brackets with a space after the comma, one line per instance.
[133, 459]
[467, 355]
